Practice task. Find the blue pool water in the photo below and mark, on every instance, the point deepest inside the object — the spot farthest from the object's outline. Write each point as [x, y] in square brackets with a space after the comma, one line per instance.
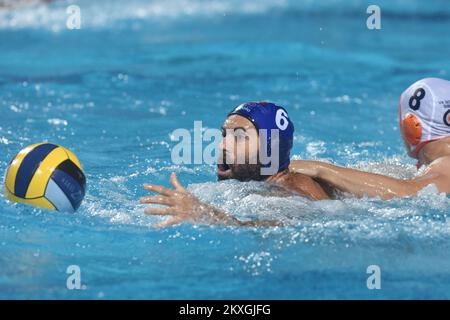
[114, 91]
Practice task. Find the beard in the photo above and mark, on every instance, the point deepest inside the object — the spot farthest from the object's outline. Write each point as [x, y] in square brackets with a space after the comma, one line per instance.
[240, 172]
[243, 172]
[247, 172]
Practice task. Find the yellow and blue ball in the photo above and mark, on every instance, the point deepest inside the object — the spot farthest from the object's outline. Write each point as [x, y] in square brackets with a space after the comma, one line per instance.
[48, 176]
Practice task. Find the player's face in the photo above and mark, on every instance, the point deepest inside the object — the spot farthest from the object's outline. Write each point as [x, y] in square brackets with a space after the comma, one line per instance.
[238, 151]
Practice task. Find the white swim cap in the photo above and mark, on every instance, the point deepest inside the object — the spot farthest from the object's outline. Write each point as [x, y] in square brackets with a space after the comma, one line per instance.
[424, 113]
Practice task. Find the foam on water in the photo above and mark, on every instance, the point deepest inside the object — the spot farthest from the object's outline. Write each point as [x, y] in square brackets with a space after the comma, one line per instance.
[36, 14]
[97, 14]
[346, 220]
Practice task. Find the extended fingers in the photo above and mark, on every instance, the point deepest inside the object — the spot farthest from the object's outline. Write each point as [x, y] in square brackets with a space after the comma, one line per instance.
[159, 211]
[175, 183]
[169, 222]
[158, 189]
[157, 200]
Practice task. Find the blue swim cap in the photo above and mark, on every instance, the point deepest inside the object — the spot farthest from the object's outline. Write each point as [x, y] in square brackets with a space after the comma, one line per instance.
[267, 115]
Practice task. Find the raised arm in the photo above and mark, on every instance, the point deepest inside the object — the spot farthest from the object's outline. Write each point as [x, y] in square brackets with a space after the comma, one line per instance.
[183, 206]
[361, 183]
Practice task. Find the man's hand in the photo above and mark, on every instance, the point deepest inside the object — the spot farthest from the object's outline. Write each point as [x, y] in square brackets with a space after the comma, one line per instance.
[181, 204]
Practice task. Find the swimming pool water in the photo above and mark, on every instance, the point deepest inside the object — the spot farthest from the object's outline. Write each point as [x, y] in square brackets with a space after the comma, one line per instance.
[114, 91]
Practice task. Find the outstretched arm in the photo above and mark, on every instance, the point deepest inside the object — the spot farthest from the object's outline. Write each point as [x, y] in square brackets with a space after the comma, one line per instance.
[183, 206]
[362, 183]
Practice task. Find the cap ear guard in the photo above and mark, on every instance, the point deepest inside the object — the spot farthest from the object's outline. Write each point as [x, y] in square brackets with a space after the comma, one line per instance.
[411, 129]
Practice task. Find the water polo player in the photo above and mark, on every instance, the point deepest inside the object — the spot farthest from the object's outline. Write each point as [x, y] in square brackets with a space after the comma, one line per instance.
[424, 115]
[256, 145]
